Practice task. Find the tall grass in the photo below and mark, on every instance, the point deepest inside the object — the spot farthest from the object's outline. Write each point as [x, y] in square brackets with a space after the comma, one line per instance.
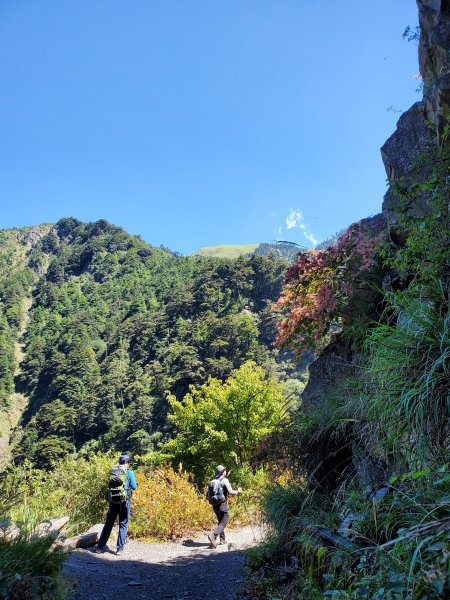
[74, 488]
[409, 365]
[29, 568]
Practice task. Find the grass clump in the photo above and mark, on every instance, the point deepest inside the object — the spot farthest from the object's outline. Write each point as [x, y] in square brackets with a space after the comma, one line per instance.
[30, 570]
[395, 544]
[409, 366]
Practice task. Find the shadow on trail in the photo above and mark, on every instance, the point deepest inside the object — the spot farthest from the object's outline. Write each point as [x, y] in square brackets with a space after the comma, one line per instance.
[192, 544]
[214, 575]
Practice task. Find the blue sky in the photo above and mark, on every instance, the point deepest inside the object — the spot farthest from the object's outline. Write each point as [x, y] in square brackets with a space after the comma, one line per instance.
[201, 122]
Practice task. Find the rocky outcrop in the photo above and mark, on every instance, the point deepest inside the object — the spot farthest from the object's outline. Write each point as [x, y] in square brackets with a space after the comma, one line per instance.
[399, 152]
[326, 373]
[420, 127]
[434, 59]
[54, 529]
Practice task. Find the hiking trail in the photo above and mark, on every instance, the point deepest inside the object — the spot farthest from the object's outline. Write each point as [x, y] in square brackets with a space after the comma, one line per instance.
[185, 570]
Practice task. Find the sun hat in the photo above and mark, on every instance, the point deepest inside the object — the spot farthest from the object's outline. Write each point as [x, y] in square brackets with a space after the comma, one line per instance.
[125, 458]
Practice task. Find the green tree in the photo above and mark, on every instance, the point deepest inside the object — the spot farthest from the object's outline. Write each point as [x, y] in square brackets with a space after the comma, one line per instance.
[224, 422]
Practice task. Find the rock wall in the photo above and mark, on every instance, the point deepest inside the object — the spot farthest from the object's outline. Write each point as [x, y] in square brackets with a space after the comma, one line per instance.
[434, 59]
[421, 126]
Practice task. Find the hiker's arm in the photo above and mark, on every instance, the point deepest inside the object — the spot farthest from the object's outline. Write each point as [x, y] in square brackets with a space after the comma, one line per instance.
[227, 484]
[132, 479]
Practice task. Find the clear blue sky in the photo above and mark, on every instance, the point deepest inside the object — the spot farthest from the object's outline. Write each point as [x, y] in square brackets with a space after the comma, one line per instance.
[201, 122]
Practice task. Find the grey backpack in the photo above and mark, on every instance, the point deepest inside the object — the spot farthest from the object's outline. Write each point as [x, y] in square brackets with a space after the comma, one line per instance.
[214, 492]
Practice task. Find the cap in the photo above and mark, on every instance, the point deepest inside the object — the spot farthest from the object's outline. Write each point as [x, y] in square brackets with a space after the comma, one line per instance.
[125, 458]
[220, 469]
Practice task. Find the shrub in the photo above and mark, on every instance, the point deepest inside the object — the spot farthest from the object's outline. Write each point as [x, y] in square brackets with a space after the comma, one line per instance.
[320, 285]
[74, 488]
[224, 422]
[166, 505]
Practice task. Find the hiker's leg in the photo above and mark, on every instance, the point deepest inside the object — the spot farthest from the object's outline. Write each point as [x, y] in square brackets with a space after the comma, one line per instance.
[124, 517]
[113, 511]
[219, 515]
[222, 522]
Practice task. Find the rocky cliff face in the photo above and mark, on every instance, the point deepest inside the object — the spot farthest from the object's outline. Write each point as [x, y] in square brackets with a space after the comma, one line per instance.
[411, 137]
[434, 59]
[421, 126]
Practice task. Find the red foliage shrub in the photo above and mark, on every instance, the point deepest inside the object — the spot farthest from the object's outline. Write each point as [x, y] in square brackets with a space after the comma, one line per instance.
[319, 286]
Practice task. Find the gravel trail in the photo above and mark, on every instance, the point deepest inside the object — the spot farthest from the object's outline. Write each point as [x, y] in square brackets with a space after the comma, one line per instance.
[185, 570]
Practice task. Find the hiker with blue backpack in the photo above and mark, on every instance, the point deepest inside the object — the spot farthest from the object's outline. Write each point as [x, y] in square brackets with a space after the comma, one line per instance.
[217, 494]
[121, 484]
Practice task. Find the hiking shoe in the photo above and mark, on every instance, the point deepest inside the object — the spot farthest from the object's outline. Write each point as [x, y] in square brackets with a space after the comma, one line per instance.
[222, 541]
[97, 549]
[119, 552]
[212, 540]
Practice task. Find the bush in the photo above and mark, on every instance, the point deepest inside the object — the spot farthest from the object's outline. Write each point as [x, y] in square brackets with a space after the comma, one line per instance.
[166, 505]
[321, 285]
[225, 421]
[74, 488]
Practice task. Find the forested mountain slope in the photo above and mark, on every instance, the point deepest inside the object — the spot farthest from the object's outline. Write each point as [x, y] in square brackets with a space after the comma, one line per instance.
[113, 323]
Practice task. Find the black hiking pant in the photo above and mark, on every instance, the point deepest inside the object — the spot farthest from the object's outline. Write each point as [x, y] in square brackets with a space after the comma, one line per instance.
[222, 519]
[121, 511]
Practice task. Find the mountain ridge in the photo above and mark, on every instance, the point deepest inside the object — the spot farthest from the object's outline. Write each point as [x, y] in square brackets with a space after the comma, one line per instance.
[285, 250]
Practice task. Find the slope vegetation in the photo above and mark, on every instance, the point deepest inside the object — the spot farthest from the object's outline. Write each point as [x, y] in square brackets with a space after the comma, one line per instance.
[116, 323]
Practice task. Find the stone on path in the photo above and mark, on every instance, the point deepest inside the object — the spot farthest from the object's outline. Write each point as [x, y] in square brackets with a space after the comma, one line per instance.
[78, 541]
[51, 527]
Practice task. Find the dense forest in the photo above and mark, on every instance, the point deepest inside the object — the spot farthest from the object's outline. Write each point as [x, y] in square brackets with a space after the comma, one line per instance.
[105, 326]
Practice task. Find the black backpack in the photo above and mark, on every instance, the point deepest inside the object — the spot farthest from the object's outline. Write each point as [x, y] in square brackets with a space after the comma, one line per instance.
[214, 492]
[118, 488]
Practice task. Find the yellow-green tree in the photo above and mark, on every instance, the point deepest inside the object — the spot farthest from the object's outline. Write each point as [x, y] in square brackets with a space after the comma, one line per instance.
[223, 422]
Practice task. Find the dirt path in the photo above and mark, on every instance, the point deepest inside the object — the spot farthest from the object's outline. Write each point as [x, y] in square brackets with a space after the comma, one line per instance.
[187, 570]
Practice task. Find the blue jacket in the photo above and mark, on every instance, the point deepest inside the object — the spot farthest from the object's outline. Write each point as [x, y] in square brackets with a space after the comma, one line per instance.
[131, 479]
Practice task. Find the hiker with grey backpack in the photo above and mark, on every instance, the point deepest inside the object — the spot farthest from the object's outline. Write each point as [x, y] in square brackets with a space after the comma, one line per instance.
[217, 494]
[121, 484]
